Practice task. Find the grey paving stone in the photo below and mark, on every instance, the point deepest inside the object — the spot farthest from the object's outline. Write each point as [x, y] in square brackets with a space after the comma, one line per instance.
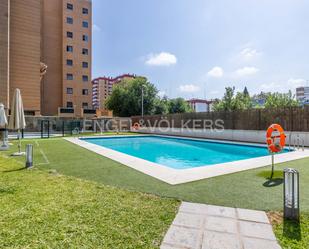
[193, 208]
[221, 228]
[221, 211]
[165, 246]
[216, 240]
[257, 230]
[252, 215]
[221, 224]
[189, 220]
[250, 243]
[182, 237]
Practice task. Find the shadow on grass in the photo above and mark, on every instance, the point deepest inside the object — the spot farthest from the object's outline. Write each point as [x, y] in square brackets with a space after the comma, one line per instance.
[273, 182]
[292, 230]
[14, 170]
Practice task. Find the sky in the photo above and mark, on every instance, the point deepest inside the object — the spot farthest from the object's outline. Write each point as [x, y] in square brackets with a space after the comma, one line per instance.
[194, 49]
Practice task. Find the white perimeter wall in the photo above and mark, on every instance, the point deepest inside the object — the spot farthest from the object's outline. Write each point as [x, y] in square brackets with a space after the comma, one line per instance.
[233, 135]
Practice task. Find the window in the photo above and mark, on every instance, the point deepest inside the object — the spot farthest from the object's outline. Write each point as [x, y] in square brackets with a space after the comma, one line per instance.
[85, 91]
[69, 6]
[85, 38]
[70, 34]
[85, 105]
[85, 78]
[85, 64]
[69, 90]
[69, 48]
[69, 20]
[85, 24]
[69, 76]
[70, 62]
[85, 11]
[85, 51]
[69, 104]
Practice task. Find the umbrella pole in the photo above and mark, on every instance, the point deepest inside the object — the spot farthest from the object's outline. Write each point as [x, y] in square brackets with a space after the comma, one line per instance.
[19, 142]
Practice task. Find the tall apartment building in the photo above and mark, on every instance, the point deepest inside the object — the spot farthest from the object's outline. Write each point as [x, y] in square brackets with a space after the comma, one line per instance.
[302, 94]
[58, 33]
[20, 42]
[102, 87]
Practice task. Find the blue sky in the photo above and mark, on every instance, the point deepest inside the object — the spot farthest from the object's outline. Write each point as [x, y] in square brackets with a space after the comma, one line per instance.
[197, 48]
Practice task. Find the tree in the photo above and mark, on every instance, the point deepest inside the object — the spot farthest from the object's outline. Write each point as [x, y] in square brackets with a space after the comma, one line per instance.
[279, 100]
[126, 98]
[161, 105]
[246, 93]
[226, 103]
[178, 105]
[232, 102]
[242, 101]
[259, 99]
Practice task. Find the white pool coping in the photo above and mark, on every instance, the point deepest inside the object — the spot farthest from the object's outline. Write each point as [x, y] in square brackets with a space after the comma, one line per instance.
[178, 176]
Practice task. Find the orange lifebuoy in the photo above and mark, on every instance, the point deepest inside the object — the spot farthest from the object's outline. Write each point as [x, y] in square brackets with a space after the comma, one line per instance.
[275, 148]
[136, 126]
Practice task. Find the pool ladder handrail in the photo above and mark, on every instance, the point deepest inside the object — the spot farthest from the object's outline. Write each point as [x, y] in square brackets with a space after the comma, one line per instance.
[298, 142]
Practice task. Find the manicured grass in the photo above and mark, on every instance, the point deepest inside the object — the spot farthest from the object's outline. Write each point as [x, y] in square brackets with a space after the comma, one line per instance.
[247, 189]
[293, 234]
[41, 209]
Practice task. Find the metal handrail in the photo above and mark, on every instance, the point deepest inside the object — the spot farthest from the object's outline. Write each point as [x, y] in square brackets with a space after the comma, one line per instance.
[298, 142]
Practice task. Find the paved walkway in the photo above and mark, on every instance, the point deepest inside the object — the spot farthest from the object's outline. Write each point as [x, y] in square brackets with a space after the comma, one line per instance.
[200, 226]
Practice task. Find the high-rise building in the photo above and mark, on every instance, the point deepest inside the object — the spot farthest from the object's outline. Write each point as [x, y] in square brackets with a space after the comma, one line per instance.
[66, 32]
[102, 87]
[57, 33]
[20, 54]
[302, 94]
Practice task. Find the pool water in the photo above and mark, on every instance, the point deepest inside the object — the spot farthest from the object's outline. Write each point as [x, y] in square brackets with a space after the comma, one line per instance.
[179, 153]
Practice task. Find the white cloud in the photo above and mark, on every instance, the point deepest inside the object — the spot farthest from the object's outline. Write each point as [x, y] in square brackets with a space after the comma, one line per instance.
[271, 87]
[161, 94]
[190, 88]
[96, 28]
[293, 83]
[216, 72]
[284, 86]
[214, 92]
[249, 53]
[246, 71]
[161, 59]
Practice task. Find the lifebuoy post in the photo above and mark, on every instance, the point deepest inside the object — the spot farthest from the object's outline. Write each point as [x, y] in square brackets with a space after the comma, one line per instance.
[274, 133]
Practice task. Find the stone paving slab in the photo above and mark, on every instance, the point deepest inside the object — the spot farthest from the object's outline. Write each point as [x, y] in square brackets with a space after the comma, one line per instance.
[201, 226]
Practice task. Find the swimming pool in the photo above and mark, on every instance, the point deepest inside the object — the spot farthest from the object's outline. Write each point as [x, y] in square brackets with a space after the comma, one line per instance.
[179, 153]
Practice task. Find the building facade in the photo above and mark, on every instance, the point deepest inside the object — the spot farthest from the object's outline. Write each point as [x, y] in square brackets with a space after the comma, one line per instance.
[102, 87]
[20, 49]
[302, 94]
[200, 105]
[57, 33]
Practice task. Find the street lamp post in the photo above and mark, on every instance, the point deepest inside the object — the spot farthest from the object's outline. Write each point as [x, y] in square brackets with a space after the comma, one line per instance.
[29, 155]
[291, 194]
[142, 101]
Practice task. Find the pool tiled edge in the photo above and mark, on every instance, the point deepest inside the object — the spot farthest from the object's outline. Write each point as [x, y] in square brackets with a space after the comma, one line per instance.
[174, 176]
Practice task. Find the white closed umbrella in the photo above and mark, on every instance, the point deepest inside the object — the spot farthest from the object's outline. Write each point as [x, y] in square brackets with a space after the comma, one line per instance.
[3, 119]
[17, 119]
[3, 124]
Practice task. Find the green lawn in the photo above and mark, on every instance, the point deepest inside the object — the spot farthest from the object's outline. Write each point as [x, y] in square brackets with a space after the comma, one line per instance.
[246, 189]
[41, 209]
[293, 234]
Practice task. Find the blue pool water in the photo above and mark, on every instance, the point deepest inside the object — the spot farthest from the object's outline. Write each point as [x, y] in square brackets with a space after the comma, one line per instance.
[179, 153]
